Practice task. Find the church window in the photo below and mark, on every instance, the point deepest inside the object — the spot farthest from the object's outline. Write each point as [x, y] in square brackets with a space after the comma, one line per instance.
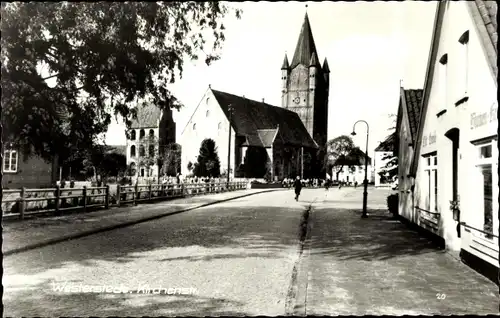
[142, 152]
[132, 135]
[151, 133]
[132, 151]
[151, 150]
[142, 133]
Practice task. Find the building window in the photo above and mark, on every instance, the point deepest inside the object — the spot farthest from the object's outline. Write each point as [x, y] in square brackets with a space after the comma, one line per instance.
[485, 162]
[132, 135]
[431, 173]
[208, 113]
[142, 133]
[142, 172]
[151, 133]
[443, 78]
[151, 150]
[194, 126]
[464, 40]
[132, 151]
[10, 161]
[142, 152]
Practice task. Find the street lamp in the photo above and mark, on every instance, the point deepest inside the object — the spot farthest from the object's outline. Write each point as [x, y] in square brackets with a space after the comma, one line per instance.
[365, 189]
[230, 110]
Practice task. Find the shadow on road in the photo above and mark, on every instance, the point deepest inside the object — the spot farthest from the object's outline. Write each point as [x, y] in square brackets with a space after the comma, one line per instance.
[378, 237]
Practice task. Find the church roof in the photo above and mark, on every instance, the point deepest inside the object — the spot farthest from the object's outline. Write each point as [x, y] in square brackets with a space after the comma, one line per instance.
[147, 116]
[305, 45]
[258, 122]
[314, 60]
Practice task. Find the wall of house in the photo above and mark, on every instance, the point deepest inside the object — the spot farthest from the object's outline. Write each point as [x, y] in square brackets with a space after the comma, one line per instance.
[32, 173]
[476, 119]
[358, 174]
[144, 142]
[405, 182]
[200, 126]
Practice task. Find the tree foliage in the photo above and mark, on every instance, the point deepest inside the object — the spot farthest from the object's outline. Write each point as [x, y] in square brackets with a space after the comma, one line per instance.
[170, 158]
[98, 59]
[208, 163]
[342, 152]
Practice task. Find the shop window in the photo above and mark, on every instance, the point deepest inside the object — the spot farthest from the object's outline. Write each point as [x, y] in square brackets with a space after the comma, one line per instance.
[431, 173]
[486, 166]
[10, 161]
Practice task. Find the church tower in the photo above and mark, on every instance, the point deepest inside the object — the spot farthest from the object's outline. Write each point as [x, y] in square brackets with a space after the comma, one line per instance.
[305, 85]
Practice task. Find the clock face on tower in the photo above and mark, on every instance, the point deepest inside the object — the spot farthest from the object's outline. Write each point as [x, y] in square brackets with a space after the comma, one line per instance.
[296, 100]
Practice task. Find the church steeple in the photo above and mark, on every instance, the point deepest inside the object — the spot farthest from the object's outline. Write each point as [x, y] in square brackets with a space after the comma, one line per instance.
[285, 65]
[305, 45]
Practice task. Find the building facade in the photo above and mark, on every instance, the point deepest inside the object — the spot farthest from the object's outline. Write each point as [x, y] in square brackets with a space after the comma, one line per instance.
[277, 131]
[305, 85]
[455, 156]
[149, 133]
[31, 172]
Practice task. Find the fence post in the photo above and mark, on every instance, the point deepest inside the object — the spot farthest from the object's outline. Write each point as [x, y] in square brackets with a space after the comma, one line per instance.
[22, 203]
[150, 191]
[136, 193]
[118, 194]
[106, 198]
[84, 191]
[58, 201]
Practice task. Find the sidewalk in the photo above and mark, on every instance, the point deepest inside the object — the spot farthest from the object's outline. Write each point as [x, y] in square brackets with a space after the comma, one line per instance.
[379, 266]
[37, 232]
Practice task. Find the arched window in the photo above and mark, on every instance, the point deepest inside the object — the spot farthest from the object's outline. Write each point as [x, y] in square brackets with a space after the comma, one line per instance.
[208, 113]
[132, 151]
[207, 100]
[151, 150]
[194, 126]
[219, 126]
[151, 133]
[142, 153]
[132, 135]
[142, 134]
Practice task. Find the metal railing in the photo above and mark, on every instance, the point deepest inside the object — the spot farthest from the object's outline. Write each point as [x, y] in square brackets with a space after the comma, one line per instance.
[24, 202]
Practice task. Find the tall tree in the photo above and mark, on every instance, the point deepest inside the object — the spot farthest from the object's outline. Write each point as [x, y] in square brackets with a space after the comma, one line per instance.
[255, 162]
[208, 163]
[67, 67]
[337, 151]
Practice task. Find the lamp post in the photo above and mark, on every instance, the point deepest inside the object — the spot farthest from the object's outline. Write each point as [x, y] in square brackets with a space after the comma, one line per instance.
[365, 189]
[230, 110]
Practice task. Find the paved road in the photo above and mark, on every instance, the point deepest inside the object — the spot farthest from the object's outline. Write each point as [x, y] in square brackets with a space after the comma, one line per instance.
[244, 257]
[238, 255]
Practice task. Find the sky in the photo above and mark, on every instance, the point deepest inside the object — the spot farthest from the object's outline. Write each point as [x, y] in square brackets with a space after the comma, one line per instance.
[370, 47]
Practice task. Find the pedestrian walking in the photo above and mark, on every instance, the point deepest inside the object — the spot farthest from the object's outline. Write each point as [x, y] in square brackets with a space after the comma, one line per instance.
[298, 186]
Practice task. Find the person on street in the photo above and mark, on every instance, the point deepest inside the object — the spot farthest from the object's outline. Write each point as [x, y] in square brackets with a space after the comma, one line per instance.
[298, 186]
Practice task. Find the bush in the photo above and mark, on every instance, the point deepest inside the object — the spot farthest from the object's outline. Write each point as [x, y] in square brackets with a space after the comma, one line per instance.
[393, 203]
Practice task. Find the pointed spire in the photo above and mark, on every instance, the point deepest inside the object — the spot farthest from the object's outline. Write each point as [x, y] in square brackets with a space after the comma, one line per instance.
[305, 45]
[285, 65]
[326, 69]
[314, 60]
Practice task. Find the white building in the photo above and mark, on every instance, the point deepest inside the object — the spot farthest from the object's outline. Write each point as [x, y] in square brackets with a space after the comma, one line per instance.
[454, 155]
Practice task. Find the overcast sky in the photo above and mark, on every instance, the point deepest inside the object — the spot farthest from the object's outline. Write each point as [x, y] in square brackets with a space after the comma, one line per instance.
[370, 46]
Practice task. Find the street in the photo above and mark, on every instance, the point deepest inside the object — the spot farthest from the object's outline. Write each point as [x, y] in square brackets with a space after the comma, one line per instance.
[245, 257]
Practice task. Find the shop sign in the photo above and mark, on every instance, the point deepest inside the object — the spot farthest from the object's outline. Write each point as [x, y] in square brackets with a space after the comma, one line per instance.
[481, 119]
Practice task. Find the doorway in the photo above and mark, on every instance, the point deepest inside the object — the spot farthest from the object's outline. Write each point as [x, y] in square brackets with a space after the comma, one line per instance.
[454, 136]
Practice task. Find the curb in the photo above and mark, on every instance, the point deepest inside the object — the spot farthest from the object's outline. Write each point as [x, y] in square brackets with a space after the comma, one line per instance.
[121, 225]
